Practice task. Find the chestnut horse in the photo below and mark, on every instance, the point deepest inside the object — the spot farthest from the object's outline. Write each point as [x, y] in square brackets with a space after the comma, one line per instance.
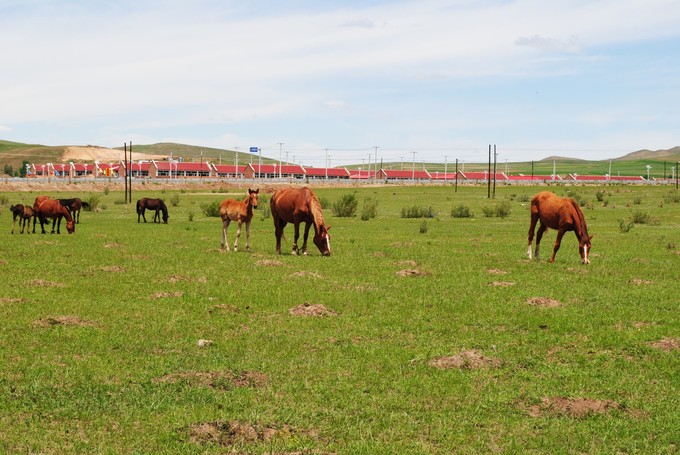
[24, 213]
[300, 205]
[44, 208]
[563, 214]
[152, 204]
[241, 212]
[74, 205]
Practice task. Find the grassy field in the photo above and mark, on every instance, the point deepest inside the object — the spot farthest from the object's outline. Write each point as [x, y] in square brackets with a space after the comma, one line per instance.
[436, 335]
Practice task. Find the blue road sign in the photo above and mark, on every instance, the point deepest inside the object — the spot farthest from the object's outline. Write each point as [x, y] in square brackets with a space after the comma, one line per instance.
[254, 149]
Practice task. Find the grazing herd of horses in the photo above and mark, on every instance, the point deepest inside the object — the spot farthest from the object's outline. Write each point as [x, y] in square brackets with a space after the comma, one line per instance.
[300, 205]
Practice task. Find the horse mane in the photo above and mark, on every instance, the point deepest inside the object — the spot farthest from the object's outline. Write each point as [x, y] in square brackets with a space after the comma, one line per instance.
[315, 207]
[583, 227]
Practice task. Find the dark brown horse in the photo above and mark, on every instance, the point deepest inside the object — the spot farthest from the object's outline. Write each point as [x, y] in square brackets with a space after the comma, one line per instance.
[24, 213]
[563, 214]
[74, 205]
[152, 204]
[300, 205]
[44, 208]
[241, 212]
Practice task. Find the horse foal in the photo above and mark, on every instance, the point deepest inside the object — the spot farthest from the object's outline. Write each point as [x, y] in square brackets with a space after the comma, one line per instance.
[241, 212]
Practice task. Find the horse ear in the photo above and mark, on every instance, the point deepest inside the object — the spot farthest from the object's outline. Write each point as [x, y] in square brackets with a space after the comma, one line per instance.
[591, 237]
[257, 191]
[328, 228]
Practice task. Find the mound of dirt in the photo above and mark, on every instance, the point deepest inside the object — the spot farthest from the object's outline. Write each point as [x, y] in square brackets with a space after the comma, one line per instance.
[307, 309]
[230, 433]
[269, 263]
[466, 360]
[411, 272]
[305, 274]
[10, 300]
[571, 407]
[543, 302]
[167, 295]
[40, 283]
[62, 320]
[222, 380]
[639, 281]
[503, 284]
[497, 272]
[667, 344]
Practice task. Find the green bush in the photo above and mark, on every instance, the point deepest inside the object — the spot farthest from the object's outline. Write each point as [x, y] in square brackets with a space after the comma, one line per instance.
[346, 206]
[423, 227]
[640, 217]
[600, 196]
[93, 202]
[461, 211]
[503, 209]
[370, 209]
[174, 200]
[625, 226]
[212, 209]
[488, 212]
[4, 200]
[416, 211]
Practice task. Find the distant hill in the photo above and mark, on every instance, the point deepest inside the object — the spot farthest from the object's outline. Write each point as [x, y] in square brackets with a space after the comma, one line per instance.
[672, 154]
[563, 159]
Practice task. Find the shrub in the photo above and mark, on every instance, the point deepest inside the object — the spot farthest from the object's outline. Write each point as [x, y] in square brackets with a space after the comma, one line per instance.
[488, 212]
[637, 200]
[370, 209]
[461, 211]
[672, 197]
[625, 226]
[174, 200]
[119, 202]
[346, 206]
[640, 217]
[93, 202]
[503, 209]
[416, 211]
[600, 196]
[4, 200]
[212, 209]
[191, 216]
[106, 191]
[423, 227]
[324, 202]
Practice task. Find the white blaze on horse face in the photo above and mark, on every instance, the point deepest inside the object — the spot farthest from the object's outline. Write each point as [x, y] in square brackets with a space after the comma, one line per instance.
[328, 243]
[585, 255]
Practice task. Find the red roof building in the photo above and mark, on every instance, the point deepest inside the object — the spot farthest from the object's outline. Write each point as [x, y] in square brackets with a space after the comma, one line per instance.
[323, 173]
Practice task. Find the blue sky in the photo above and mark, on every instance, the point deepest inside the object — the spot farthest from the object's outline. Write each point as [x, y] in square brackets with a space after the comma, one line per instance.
[592, 79]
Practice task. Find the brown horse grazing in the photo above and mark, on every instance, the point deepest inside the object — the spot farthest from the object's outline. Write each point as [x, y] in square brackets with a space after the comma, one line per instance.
[152, 204]
[241, 212]
[74, 205]
[562, 214]
[44, 208]
[298, 205]
[24, 213]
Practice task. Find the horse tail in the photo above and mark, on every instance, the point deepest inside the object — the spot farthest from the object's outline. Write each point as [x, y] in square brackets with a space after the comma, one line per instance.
[139, 207]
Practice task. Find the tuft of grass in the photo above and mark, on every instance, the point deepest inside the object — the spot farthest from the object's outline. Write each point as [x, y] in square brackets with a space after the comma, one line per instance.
[461, 211]
[211, 209]
[370, 209]
[417, 211]
[345, 206]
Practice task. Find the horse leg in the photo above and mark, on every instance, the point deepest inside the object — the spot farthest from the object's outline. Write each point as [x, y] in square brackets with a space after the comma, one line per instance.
[14, 220]
[225, 225]
[238, 233]
[532, 228]
[558, 242]
[278, 232]
[248, 235]
[304, 242]
[539, 235]
[296, 237]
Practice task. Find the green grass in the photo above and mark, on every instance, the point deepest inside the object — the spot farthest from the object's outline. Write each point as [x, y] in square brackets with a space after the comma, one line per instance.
[359, 382]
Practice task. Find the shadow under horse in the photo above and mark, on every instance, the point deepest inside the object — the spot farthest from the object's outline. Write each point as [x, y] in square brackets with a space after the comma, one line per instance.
[300, 205]
[158, 205]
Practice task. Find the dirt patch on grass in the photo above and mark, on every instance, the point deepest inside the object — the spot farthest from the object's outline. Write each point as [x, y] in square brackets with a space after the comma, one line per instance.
[62, 320]
[11, 300]
[571, 407]
[222, 380]
[112, 245]
[224, 307]
[543, 302]
[503, 284]
[411, 272]
[178, 278]
[306, 274]
[232, 433]
[667, 344]
[408, 262]
[401, 244]
[112, 268]
[639, 282]
[269, 263]
[40, 283]
[308, 309]
[167, 295]
[497, 272]
[466, 360]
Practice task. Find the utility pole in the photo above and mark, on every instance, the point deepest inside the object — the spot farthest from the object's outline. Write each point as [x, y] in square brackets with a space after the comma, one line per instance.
[413, 167]
[280, 156]
[495, 161]
[375, 180]
[445, 167]
[488, 177]
[326, 164]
